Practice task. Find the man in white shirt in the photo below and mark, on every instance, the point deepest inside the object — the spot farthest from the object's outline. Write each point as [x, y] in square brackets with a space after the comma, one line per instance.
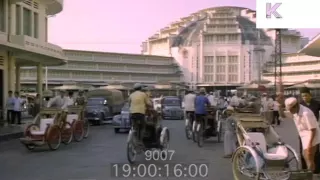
[308, 130]
[60, 101]
[212, 99]
[17, 107]
[189, 105]
[69, 101]
[266, 107]
[234, 101]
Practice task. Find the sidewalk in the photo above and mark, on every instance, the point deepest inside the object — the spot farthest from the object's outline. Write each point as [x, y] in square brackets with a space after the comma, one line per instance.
[8, 132]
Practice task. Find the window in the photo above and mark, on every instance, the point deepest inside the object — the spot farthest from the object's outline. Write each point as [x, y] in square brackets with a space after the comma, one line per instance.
[233, 59]
[220, 68]
[27, 22]
[233, 68]
[208, 59]
[18, 20]
[233, 37]
[220, 78]
[221, 59]
[35, 25]
[2, 16]
[221, 38]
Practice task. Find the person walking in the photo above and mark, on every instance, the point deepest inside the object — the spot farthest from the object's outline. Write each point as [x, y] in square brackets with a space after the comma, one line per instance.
[10, 105]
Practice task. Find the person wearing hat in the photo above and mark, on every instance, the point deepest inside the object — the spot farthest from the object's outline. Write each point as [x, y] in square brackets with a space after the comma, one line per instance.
[138, 105]
[201, 104]
[266, 107]
[59, 101]
[314, 106]
[80, 100]
[308, 130]
[230, 137]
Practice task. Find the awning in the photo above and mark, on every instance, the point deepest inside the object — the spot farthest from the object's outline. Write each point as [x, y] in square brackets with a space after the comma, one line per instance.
[312, 48]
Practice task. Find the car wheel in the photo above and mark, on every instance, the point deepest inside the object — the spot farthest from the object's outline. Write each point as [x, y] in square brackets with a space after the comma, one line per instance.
[101, 119]
[116, 130]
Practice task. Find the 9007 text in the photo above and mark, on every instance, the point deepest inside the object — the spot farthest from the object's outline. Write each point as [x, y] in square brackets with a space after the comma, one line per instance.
[159, 155]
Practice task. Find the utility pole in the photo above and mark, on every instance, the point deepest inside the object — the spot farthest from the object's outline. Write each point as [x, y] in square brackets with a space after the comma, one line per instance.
[278, 63]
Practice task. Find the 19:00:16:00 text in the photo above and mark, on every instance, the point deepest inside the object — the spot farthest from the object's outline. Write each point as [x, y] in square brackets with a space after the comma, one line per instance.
[160, 170]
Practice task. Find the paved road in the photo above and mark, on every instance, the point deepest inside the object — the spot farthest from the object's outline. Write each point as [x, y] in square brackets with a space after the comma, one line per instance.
[91, 159]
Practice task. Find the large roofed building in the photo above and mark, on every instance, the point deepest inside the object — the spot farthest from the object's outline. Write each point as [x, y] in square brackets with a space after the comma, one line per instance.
[101, 68]
[24, 41]
[219, 46]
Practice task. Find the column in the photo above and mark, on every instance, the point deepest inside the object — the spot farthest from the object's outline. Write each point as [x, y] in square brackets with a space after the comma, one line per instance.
[39, 79]
[18, 80]
[11, 64]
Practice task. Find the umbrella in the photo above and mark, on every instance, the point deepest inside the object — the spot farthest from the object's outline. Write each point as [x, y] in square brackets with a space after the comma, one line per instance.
[118, 87]
[69, 87]
[253, 86]
[307, 85]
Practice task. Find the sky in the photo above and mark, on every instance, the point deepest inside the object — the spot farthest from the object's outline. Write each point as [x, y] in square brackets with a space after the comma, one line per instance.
[121, 25]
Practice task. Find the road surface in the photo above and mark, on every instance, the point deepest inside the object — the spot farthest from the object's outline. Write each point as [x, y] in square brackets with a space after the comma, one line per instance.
[92, 158]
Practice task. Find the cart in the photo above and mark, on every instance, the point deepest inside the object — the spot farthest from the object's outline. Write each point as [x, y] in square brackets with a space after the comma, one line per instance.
[44, 130]
[261, 154]
[78, 125]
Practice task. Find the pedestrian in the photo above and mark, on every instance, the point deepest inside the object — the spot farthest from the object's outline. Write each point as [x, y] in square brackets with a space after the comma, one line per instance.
[37, 104]
[17, 108]
[308, 130]
[80, 100]
[314, 106]
[266, 108]
[59, 101]
[275, 108]
[10, 105]
[230, 137]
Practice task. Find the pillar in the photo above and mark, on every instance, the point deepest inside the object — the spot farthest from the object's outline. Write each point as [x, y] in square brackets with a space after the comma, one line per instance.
[39, 79]
[11, 72]
[18, 80]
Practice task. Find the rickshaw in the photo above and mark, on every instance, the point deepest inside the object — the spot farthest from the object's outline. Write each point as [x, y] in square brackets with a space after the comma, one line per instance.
[79, 126]
[155, 136]
[208, 127]
[46, 129]
[261, 154]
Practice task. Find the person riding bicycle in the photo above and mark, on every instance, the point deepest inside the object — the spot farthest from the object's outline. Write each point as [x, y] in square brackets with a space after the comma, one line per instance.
[201, 104]
[189, 103]
[138, 103]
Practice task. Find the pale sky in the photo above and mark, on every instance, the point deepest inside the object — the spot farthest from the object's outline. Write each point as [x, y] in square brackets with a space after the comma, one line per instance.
[121, 25]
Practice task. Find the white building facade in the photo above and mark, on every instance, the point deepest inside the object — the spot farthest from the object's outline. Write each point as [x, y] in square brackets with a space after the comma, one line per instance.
[296, 68]
[24, 41]
[101, 68]
[219, 46]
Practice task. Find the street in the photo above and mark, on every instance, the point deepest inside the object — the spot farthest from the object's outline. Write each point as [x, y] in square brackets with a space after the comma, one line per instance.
[92, 158]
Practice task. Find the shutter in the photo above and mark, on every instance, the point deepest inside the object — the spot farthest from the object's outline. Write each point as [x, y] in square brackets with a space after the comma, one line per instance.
[1, 60]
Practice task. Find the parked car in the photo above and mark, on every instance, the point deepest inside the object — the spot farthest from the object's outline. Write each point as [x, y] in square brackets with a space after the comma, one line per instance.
[171, 108]
[102, 105]
[122, 121]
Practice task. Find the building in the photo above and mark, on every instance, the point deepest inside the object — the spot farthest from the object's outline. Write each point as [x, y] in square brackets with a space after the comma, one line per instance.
[219, 46]
[296, 67]
[24, 41]
[99, 68]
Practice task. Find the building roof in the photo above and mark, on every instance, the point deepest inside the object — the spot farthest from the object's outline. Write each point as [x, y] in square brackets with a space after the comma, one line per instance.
[313, 47]
[190, 33]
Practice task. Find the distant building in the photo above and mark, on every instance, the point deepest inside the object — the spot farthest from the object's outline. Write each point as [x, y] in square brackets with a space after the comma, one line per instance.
[99, 68]
[219, 47]
[295, 68]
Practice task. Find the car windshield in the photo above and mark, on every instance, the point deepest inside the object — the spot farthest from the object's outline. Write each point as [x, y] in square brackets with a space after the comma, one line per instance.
[125, 107]
[96, 101]
[171, 102]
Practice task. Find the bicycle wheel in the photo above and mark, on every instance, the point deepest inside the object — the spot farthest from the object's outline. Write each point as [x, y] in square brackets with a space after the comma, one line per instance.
[188, 129]
[200, 137]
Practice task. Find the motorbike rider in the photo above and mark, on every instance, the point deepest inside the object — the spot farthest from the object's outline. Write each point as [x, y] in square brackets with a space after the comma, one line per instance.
[189, 103]
[201, 104]
[138, 103]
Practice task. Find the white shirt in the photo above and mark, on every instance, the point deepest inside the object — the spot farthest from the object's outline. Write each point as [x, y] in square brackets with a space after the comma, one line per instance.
[17, 104]
[275, 106]
[69, 102]
[189, 101]
[234, 101]
[58, 102]
[267, 104]
[213, 101]
[305, 120]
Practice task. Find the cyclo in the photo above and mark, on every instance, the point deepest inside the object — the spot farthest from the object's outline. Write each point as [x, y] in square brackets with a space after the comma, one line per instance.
[154, 136]
[207, 126]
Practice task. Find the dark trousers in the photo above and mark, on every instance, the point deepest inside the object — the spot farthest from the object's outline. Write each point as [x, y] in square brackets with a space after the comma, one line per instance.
[9, 116]
[138, 123]
[191, 115]
[316, 159]
[16, 115]
[276, 119]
